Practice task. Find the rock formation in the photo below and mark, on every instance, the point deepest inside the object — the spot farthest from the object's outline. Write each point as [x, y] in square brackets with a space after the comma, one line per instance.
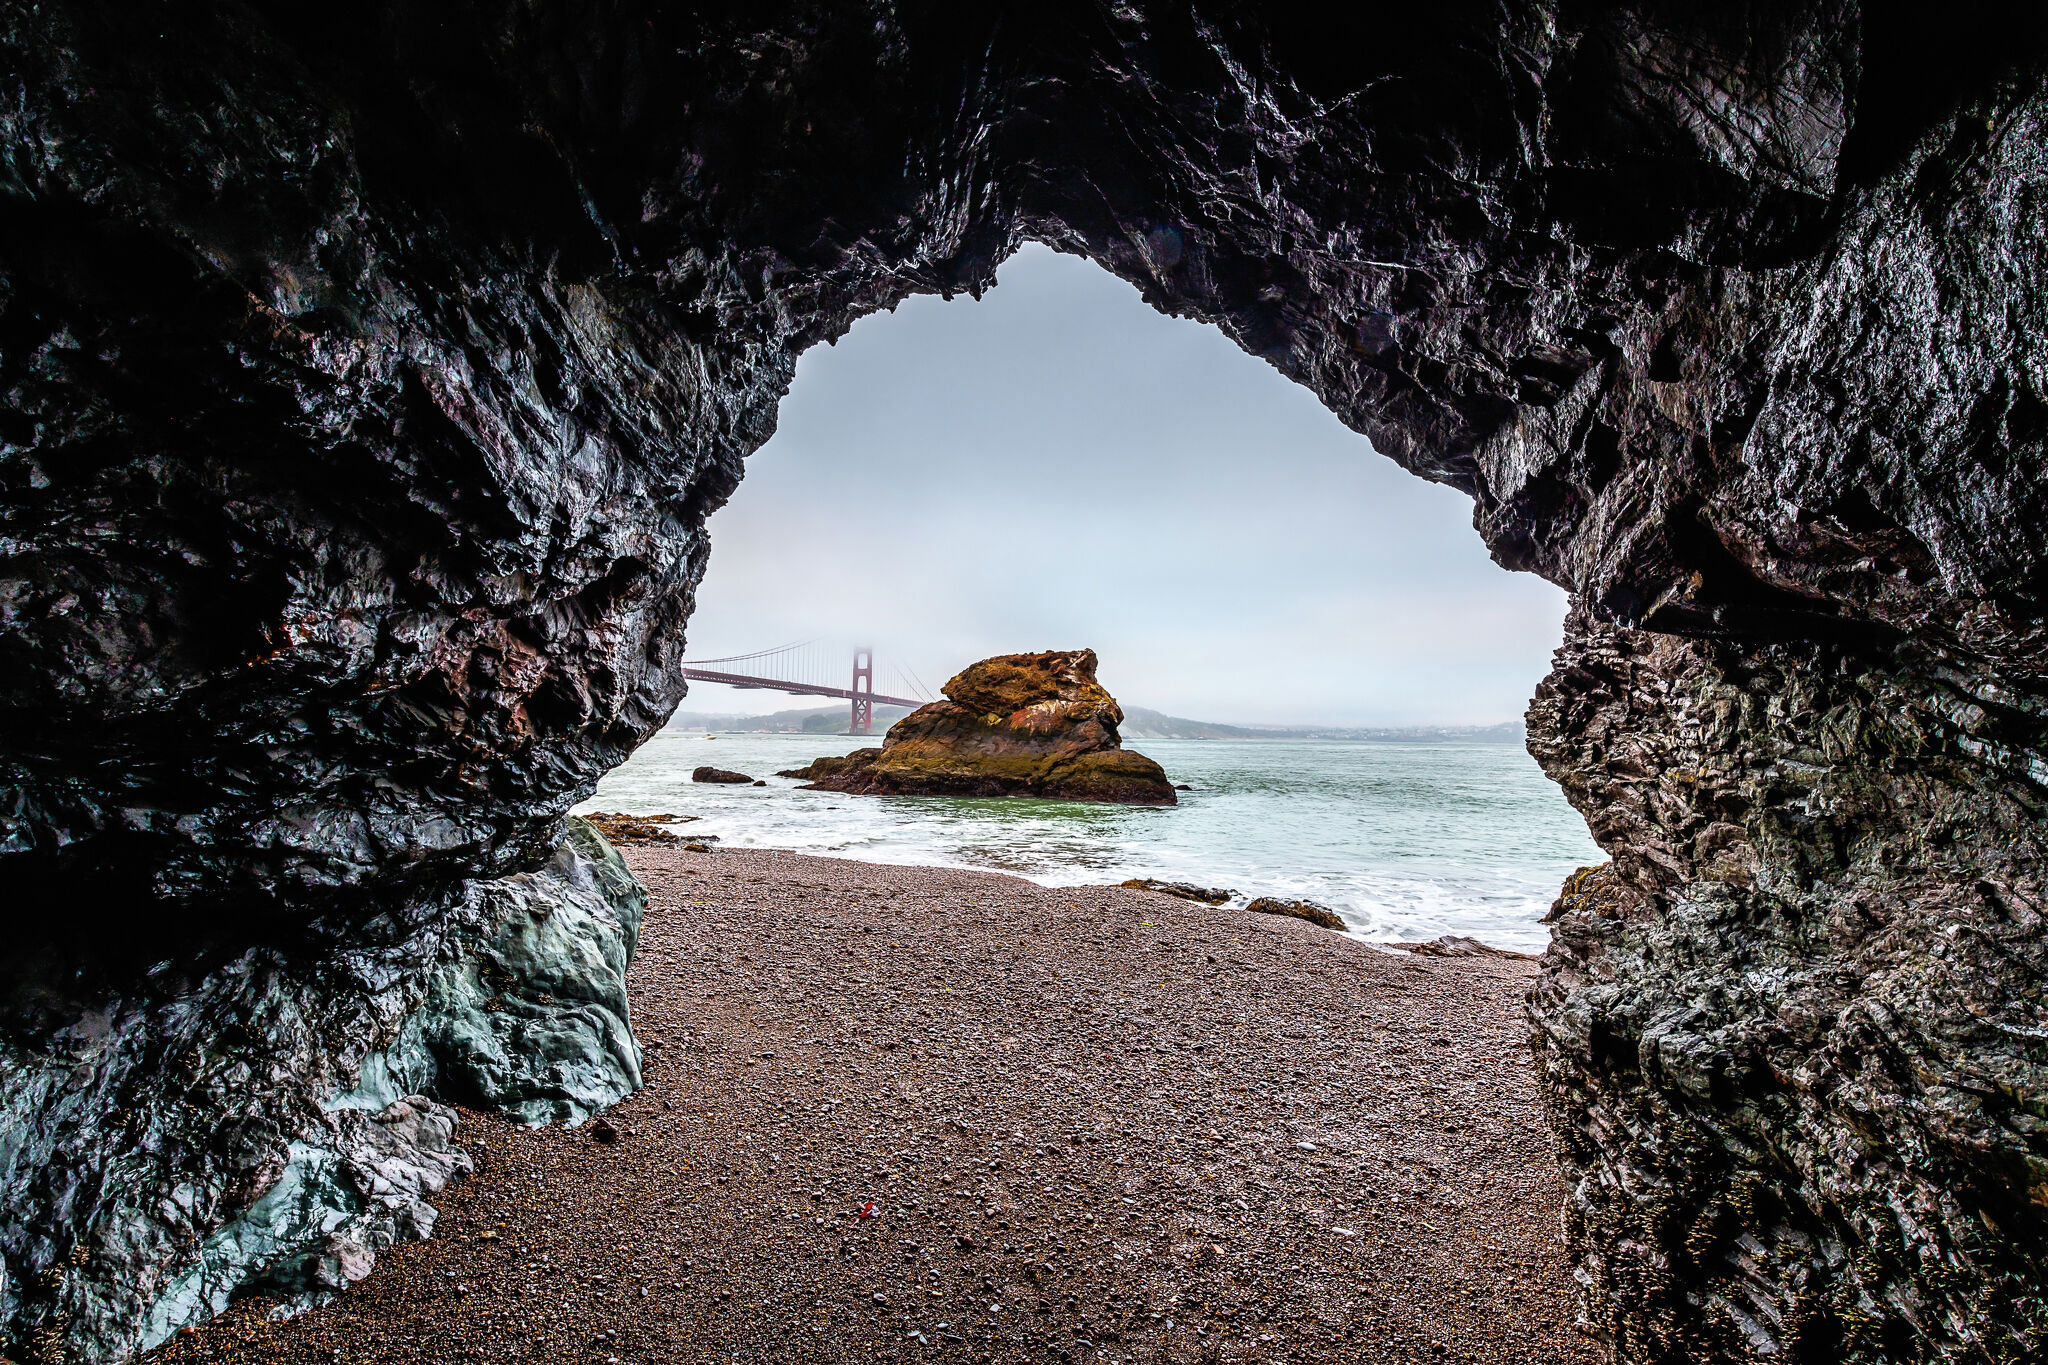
[1014, 725]
[1457, 945]
[369, 372]
[1187, 891]
[621, 829]
[1320, 915]
[260, 1120]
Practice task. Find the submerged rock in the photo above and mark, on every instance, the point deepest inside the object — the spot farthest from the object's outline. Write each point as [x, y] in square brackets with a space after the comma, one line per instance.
[1308, 910]
[1014, 725]
[247, 1124]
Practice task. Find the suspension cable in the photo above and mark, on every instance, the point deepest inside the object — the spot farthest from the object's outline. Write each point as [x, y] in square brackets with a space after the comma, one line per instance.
[742, 658]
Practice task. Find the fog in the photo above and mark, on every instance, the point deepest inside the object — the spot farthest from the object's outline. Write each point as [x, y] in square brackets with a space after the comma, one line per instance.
[1056, 465]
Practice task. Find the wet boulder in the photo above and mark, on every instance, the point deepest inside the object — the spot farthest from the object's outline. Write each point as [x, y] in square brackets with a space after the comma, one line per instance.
[1308, 910]
[1187, 891]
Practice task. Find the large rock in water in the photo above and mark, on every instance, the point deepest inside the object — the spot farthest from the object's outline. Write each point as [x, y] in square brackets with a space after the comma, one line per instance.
[1014, 725]
[367, 373]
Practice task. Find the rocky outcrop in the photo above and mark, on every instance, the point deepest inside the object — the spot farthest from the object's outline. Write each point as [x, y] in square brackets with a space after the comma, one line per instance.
[621, 829]
[1187, 891]
[1456, 945]
[263, 1124]
[369, 372]
[527, 1016]
[721, 775]
[1015, 725]
[1321, 915]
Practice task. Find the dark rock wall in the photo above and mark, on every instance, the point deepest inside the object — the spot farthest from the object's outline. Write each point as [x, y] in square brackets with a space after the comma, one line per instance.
[370, 370]
[1792, 1036]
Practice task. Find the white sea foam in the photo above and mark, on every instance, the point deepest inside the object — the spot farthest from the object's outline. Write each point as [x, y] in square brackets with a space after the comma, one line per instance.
[1404, 840]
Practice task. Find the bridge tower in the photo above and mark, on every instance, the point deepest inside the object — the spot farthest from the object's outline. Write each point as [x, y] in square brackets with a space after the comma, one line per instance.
[863, 722]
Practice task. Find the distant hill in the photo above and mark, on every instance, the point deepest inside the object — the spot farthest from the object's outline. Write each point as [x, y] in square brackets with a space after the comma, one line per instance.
[818, 720]
[1141, 723]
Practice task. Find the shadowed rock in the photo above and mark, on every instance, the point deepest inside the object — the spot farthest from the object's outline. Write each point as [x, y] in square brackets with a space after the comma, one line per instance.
[721, 775]
[1015, 725]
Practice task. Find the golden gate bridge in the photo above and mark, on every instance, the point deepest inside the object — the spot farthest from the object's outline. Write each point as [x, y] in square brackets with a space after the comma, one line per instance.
[801, 670]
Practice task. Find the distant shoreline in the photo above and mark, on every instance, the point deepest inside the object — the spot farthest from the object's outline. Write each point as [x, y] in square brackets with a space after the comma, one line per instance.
[1140, 724]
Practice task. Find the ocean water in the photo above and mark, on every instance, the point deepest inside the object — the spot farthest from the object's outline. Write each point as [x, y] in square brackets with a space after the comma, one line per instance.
[1405, 841]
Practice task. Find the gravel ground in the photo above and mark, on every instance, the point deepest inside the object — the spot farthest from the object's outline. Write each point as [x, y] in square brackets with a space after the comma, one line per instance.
[923, 1114]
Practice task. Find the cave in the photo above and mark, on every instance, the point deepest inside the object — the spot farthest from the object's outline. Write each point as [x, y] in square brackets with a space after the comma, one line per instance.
[369, 376]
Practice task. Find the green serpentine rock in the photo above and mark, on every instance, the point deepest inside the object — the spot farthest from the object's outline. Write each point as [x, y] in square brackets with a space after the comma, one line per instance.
[522, 1011]
[530, 1017]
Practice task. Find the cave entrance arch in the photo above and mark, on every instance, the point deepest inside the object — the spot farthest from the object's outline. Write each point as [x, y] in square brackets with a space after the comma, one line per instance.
[1056, 463]
[1057, 450]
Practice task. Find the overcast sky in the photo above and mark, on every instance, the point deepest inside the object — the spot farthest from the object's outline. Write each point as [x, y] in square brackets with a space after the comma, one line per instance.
[1055, 466]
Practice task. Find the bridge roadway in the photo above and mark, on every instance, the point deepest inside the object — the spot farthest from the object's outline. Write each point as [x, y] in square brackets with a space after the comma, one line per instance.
[795, 689]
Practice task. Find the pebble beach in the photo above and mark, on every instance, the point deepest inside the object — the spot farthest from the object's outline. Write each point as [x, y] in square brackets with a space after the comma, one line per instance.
[909, 1114]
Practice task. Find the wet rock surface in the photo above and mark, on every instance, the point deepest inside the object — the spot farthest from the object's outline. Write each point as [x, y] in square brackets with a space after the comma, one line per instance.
[1015, 725]
[1808, 1070]
[1455, 945]
[1187, 891]
[725, 776]
[621, 829]
[530, 1018]
[905, 1114]
[1321, 915]
[369, 376]
[283, 1111]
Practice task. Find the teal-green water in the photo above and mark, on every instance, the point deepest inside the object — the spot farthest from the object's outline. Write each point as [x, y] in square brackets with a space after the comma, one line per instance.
[1404, 840]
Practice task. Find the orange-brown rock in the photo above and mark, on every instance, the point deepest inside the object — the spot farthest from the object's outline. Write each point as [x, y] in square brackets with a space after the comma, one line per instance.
[1014, 725]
